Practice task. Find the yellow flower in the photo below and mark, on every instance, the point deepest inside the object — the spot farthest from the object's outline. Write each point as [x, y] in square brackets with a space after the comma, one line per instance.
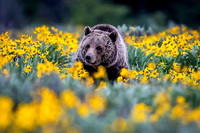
[124, 72]
[6, 73]
[41, 68]
[154, 74]
[193, 115]
[101, 72]
[27, 69]
[162, 63]
[101, 86]
[140, 112]
[83, 73]
[161, 98]
[196, 75]
[40, 37]
[177, 112]
[119, 125]
[185, 69]
[83, 110]
[62, 76]
[20, 52]
[78, 65]
[54, 29]
[154, 118]
[6, 105]
[119, 79]
[151, 66]
[96, 102]
[17, 64]
[89, 81]
[69, 99]
[26, 116]
[144, 79]
[166, 77]
[180, 100]
[46, 68]
[42, 56]
[177, 67]
[49, 110]
[132, 28]
[162, 103]
[78, 72]
[175, 53]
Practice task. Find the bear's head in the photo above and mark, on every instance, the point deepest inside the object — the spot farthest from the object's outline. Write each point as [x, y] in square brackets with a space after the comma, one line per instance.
[98, 47]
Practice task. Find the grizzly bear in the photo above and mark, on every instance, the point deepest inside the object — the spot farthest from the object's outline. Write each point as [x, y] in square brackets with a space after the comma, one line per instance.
[103, 45]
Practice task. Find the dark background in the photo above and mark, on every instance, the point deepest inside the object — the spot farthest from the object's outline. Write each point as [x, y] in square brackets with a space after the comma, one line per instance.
[20, 13]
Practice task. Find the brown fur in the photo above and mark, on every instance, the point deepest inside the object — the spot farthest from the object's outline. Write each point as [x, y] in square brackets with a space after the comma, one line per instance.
[103, 45]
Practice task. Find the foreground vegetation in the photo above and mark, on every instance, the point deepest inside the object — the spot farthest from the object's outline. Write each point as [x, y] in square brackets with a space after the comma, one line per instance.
[43, 90]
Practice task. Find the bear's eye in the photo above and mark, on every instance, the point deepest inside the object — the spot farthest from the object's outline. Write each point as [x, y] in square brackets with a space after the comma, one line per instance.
[98, 48]
[87, 46]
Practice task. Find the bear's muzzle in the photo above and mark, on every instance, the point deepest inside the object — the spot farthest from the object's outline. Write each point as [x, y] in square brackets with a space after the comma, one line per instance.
[90, 56]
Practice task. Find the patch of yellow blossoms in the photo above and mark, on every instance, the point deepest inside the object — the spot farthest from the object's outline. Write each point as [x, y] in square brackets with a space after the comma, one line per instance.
[173, 40]
[27, 47]
[168, 44]
[49, 110]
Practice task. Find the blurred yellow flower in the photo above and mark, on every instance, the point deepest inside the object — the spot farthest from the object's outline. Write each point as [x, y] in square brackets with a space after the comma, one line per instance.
[180, 100]
[26, 116]
[101, 72]
[83, 110]
[70, 99]
[17, 64]
[6, 106]
[89, 81]
[177, 67]
[49, 110]
[162, 103]
[96, 102]
[54, 29]
[101, 86]
[144, 79]
[196, 75]
[124, 72]
[119, 125]
[151, 66]
[119, 79]
[6, 73]
[185, 69]
[177, 112]
[140, 112]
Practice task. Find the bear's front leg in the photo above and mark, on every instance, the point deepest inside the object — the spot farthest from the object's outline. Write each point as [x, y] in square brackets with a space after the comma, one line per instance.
[112, 73]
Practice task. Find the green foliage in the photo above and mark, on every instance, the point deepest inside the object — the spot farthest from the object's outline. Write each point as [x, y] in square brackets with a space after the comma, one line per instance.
[90, 12]
[137, 58]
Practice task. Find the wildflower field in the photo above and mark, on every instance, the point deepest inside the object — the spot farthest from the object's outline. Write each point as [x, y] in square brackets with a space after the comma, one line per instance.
[42, 89]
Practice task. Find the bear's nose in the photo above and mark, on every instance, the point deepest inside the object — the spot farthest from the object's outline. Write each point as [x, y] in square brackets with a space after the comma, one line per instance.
[88, 58]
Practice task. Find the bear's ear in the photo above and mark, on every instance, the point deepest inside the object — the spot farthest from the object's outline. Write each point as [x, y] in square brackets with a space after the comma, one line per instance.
[113, 36]
[87, 30]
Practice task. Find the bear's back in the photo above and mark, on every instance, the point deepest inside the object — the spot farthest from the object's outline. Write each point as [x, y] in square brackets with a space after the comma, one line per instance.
[105, 27]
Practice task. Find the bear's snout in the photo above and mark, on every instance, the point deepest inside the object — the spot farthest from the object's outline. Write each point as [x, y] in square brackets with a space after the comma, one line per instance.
[90, 56]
